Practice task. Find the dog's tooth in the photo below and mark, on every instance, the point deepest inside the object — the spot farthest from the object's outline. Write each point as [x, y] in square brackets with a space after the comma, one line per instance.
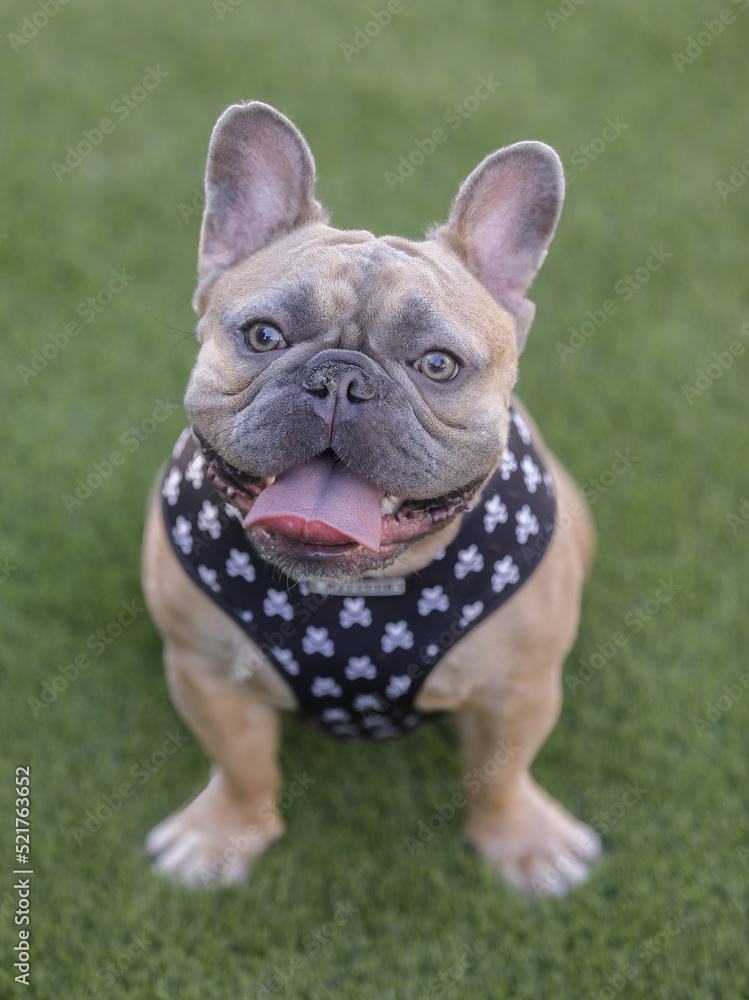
[388, 505]
[270, 480]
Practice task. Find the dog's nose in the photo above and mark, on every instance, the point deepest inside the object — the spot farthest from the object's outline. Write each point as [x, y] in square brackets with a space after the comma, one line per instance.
[339, 378]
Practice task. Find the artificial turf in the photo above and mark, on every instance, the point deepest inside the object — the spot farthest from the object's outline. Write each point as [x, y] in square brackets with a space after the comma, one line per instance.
[664, 914]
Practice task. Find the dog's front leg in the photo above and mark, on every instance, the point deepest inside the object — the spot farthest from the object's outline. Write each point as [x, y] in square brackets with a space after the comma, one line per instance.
[534, 843]
[212, 838]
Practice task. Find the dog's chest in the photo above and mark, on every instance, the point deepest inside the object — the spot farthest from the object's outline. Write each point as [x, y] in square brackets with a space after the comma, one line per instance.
[357, 661]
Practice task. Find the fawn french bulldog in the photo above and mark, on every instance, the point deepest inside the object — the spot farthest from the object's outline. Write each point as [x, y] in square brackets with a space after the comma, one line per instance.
[362, 525]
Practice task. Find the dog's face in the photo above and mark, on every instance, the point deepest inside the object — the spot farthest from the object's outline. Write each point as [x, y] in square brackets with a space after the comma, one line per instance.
[351, 392]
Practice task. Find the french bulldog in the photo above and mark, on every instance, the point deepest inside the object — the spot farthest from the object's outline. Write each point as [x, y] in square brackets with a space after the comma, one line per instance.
[362, 524]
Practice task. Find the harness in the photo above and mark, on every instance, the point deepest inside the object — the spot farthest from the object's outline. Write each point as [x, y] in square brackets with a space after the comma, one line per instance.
[357, 658]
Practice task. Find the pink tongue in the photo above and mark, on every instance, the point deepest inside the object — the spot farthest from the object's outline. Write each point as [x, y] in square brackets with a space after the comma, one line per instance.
[321, 501]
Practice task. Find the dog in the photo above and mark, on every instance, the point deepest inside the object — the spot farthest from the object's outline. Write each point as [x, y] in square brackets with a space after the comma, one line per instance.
[362, 524]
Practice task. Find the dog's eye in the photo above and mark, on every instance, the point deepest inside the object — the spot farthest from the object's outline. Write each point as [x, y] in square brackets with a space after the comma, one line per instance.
[438, 366]
[262, 337]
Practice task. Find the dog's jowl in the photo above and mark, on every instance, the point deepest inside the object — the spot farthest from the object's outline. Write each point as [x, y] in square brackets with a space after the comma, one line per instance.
[361, 524]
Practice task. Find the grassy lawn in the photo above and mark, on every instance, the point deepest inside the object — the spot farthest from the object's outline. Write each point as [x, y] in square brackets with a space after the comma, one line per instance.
[653, 225]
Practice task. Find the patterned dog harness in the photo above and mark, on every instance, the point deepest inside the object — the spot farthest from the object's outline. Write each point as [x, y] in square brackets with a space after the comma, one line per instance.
[356, 661]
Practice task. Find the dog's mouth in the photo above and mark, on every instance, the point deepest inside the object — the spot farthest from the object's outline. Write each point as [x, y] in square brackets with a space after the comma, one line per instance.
[321, 511]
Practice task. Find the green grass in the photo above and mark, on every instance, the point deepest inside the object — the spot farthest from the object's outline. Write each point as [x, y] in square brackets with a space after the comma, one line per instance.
[681, 848]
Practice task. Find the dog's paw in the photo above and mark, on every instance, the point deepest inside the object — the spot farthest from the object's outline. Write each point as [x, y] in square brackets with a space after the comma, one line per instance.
[211, 841]
[535, 845]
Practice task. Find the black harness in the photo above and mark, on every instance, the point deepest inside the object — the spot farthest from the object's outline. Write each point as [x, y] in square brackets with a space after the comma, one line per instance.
[356, 660]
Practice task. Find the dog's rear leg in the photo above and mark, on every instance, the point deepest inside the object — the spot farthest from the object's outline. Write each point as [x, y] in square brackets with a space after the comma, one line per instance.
[212, 838]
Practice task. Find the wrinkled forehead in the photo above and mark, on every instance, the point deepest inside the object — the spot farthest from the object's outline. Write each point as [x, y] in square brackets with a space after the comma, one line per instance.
[319, 274]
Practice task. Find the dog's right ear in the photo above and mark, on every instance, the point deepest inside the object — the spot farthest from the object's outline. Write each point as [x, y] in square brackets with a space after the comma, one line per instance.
[259, 185]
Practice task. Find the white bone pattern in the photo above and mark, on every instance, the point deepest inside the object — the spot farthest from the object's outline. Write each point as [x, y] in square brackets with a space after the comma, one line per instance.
[508, 464]
[286, 658]
[505, 571]
[238, 564]
[496, 513]
[208, 576]
[194, 471]
[170, 489]
[182, 534]
[433, 599]
[360, 666]
[531, 473]
[316, 640]
[527, 524]
[322, 686]
[208, 520]
[470, 560]
[397, 635]
[470, 612]
[354, 612]
[277, 603]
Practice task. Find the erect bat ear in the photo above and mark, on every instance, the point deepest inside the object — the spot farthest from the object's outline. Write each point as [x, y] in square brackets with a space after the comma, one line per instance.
[503, 220]
[259, 185]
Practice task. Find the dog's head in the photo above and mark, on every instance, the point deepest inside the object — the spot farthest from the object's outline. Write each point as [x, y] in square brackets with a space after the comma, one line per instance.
[351, 392]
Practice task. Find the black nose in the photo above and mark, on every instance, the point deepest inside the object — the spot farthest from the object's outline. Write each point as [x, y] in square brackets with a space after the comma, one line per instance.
[336, 375]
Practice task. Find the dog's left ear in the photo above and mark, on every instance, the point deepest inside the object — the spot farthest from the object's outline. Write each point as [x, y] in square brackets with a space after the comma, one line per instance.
[259, 185]
[502, 222]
